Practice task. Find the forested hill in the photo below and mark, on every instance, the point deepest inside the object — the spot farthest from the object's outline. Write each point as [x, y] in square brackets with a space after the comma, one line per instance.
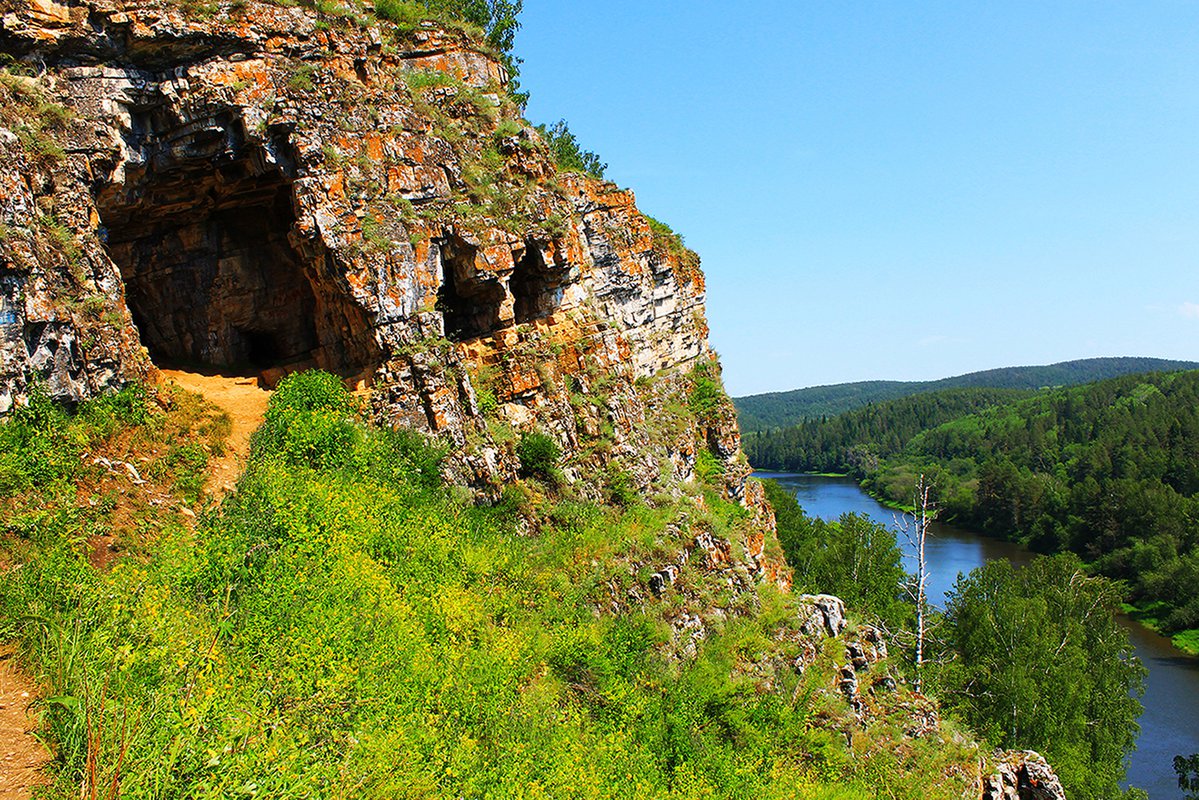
[780, 409]
[856, 440]
[1109, 470]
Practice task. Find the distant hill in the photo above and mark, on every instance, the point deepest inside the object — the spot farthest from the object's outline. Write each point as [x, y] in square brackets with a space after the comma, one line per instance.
[777, 409]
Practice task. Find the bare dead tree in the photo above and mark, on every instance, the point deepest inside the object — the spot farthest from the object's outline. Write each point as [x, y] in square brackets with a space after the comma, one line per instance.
[915, 529]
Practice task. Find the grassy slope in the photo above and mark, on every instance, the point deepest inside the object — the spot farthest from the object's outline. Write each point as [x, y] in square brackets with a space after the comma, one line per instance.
[779, 409]
[342, 625]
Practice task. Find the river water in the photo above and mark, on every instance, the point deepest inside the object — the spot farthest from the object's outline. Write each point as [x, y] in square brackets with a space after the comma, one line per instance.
[1170, 722]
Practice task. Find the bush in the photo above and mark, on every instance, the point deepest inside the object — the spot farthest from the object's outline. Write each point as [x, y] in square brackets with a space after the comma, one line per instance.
[40, 442]
[564, 147]
[539, 454]
[309, 422]
[706, 395]
[707, 465]
[401, 12]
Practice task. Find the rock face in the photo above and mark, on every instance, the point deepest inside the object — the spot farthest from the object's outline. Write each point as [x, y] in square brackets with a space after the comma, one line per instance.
[822, 613]
[262, 189]
[1022, 775]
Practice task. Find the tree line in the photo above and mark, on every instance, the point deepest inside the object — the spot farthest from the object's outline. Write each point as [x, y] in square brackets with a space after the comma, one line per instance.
[761, 412]
[854, 442]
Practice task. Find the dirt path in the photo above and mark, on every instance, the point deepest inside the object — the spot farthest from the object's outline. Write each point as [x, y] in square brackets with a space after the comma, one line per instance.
[245, 403]
[21, 755]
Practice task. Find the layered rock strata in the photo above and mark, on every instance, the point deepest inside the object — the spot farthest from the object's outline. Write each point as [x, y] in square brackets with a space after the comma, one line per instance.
[259, 189]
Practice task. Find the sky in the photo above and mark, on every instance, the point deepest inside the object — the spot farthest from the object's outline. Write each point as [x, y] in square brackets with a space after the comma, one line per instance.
[900, 190]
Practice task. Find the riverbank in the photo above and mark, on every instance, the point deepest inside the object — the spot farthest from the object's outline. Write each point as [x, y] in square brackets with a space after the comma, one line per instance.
[1145, 614]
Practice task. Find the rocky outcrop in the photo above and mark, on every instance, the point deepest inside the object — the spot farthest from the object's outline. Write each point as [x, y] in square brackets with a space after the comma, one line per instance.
[819, 613]
[1021, 775]
[268, 188]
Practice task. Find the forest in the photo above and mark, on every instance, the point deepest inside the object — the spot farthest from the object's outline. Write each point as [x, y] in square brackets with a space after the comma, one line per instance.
[1109, 471]
[856, 440]
[763, 412]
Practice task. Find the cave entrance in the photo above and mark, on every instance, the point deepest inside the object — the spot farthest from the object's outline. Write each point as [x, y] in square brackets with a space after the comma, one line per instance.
[470, 302]
[536, 287]
[202, 231]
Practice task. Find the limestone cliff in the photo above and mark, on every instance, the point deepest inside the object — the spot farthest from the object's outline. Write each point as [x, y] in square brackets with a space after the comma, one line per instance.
[260, 188]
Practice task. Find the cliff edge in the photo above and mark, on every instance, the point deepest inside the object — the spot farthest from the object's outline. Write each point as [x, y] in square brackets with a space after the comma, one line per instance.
[258, 189]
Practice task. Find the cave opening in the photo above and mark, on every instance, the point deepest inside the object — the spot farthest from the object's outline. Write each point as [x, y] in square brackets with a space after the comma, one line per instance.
[470, 302]
[536, 287]
[202, 230]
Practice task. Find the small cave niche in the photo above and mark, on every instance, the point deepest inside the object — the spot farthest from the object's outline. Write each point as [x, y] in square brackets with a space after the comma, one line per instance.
[470, 302]
[215, 277]
[536, 287]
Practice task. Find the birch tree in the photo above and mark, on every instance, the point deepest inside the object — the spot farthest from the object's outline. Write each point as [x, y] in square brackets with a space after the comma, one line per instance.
[915, 530]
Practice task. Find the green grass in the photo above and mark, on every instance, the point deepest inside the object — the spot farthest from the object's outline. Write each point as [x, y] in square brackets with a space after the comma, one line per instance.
[1150, 615]
[1187, 641]
[345, 625]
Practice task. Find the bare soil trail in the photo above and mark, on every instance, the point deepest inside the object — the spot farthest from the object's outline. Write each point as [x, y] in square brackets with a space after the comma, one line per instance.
[22, 756]
[245, 402]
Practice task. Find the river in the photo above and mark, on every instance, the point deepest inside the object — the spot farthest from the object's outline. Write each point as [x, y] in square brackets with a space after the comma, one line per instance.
[1170, 722]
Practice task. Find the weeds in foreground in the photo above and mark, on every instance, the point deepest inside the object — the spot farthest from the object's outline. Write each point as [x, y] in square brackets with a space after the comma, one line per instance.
[342, 625]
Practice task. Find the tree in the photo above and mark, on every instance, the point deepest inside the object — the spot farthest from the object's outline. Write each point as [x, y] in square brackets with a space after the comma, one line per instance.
[1187, 769]
[1042, 664]
[916, 530]
[567, 153]
[854, 558]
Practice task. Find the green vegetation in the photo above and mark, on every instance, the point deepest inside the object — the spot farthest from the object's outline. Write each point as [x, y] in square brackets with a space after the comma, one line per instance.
[706, 396]
[41, 444]
[343, 625]
[780, 409]
[539, 454]
[37, 120]
[854, 558]
[301, 79]
[1109, 471]
[669, 243]
[567, 153]
[1039, 662]
[856, 440]
[1187, 769]
[1032, 658]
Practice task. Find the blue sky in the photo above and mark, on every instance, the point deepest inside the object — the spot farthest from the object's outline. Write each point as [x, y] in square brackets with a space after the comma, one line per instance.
[900, 190]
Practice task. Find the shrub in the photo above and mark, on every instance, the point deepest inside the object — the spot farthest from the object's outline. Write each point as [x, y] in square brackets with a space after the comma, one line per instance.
[564, 147]
[539, 454]
[301, 78]
[401, 12]
[309, 422]
[708, 466]
[706, 394]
